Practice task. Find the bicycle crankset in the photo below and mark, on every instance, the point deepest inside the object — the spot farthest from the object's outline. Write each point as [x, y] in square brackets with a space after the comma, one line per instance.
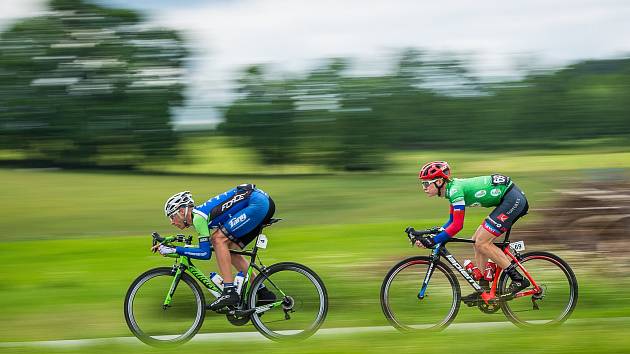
[490, 307]
[236, 316]
[237, 321]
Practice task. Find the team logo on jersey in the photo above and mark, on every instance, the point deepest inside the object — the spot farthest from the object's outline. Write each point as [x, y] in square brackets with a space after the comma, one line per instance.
[480, 193]
[228, 204]
[500, 179]
[495, 192]
[475, 204]
[237, 220]
[502, 217]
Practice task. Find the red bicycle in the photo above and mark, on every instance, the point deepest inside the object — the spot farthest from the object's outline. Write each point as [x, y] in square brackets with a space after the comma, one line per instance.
[423, 293]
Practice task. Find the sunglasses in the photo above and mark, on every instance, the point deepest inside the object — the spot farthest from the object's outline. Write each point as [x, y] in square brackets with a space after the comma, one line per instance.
[426, 184]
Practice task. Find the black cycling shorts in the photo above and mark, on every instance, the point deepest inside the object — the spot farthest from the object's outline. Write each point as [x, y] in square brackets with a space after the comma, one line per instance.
[245, 239]
[513, 206]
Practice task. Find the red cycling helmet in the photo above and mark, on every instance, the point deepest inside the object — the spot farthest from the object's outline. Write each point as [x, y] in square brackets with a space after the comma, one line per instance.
[435, 169]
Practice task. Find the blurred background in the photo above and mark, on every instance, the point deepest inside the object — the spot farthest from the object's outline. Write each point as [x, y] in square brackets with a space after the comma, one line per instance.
[108, 107]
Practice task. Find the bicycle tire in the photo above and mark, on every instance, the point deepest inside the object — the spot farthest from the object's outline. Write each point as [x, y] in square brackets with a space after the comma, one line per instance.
[277, 277]
[400, 300]
[543, 267]
[162, 338]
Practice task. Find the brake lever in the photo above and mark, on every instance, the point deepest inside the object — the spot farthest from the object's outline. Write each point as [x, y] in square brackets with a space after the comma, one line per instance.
[413, 239]
[156, 238]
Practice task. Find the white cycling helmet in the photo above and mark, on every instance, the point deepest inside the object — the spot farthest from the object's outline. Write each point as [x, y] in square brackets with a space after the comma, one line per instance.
[177, 200]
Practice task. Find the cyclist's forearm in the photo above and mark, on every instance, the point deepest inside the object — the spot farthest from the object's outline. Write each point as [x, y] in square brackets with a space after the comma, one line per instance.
[450, 218]
[204, 251]
[455, 226]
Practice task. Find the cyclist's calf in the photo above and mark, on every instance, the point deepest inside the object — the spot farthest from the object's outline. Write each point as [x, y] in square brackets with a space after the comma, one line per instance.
[485, 248]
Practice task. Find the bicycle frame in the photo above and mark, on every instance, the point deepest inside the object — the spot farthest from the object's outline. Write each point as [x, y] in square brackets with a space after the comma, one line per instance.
[441, 251]
[184, 263]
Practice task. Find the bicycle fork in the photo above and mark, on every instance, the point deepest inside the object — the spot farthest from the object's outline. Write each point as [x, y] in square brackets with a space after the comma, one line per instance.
[169, 296]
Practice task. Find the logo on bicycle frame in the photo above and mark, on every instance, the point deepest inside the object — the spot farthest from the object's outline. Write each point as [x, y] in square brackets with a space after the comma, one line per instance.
[463, 272]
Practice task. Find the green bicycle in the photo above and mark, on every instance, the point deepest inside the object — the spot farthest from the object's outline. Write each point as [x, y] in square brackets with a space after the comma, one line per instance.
[166, 306]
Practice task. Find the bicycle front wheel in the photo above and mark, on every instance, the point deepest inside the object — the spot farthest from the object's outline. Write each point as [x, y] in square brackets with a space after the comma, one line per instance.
[399, 296]
[556, 300]
[300, 305]
[159, 325]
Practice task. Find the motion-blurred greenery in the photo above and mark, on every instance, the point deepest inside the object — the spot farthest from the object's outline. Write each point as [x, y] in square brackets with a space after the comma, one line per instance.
[83, 86]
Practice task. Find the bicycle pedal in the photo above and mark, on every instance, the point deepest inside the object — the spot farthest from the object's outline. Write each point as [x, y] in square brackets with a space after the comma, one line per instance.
[226, 310]
[471, 303]
[221, 311]
[243, 313]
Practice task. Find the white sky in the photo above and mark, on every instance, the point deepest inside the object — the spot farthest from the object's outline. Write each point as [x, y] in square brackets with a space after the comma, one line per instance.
[293, 34]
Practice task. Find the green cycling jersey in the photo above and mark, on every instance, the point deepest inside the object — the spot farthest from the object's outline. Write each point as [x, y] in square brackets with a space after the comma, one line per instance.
[485, 191]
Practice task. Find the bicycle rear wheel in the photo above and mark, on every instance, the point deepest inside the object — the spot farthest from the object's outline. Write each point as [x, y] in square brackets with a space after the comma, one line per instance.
[399, 296]
[301, 302]
[558, 296]
[156, 325]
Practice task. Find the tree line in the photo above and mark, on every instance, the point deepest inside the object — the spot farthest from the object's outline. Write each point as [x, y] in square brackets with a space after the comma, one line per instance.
[349, 122]
[85, 85]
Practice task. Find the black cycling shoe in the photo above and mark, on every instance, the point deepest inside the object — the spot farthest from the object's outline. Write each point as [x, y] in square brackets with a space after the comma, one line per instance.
[264, 297]
[518, 285]
[229, 297]
[471, 299]
[474, 298]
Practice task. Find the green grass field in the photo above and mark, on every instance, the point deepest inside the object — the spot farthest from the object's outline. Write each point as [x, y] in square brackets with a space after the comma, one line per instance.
[74, 241]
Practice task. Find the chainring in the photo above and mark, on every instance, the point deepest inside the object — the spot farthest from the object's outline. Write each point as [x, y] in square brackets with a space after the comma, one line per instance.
[490, 307]
[237, 321]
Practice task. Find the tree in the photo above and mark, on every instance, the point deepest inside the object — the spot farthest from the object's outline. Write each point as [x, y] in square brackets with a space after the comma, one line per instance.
[324, 118]
[263, 118]
[87, 85]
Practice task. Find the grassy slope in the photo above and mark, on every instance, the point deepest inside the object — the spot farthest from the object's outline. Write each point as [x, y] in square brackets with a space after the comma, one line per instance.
[75, 288]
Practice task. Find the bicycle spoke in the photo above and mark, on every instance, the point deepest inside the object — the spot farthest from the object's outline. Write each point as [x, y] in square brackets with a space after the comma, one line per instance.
[155, 324]
[304, 304]
[557, 298]
[403, 308]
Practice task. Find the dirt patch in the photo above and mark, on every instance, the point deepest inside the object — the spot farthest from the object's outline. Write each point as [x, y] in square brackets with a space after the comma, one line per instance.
[593, 218]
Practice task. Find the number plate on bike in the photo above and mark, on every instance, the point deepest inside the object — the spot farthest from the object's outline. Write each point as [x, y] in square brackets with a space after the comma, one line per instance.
[262, 241]
[517, 246]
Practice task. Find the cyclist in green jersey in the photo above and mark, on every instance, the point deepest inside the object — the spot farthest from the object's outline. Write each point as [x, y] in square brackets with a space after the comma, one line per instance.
[496, 191]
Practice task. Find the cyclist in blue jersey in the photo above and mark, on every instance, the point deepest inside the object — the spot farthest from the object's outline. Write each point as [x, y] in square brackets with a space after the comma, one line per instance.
[235, 218]
[491, 191]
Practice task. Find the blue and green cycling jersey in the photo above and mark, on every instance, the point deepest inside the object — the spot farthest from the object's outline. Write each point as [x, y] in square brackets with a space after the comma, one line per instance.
[213, 213]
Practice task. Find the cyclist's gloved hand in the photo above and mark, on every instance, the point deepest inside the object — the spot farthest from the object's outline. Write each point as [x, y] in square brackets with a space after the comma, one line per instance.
[164, 250]
[427, 241]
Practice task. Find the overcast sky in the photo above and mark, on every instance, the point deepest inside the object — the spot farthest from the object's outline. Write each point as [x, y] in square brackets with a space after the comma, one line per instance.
[226, 35]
